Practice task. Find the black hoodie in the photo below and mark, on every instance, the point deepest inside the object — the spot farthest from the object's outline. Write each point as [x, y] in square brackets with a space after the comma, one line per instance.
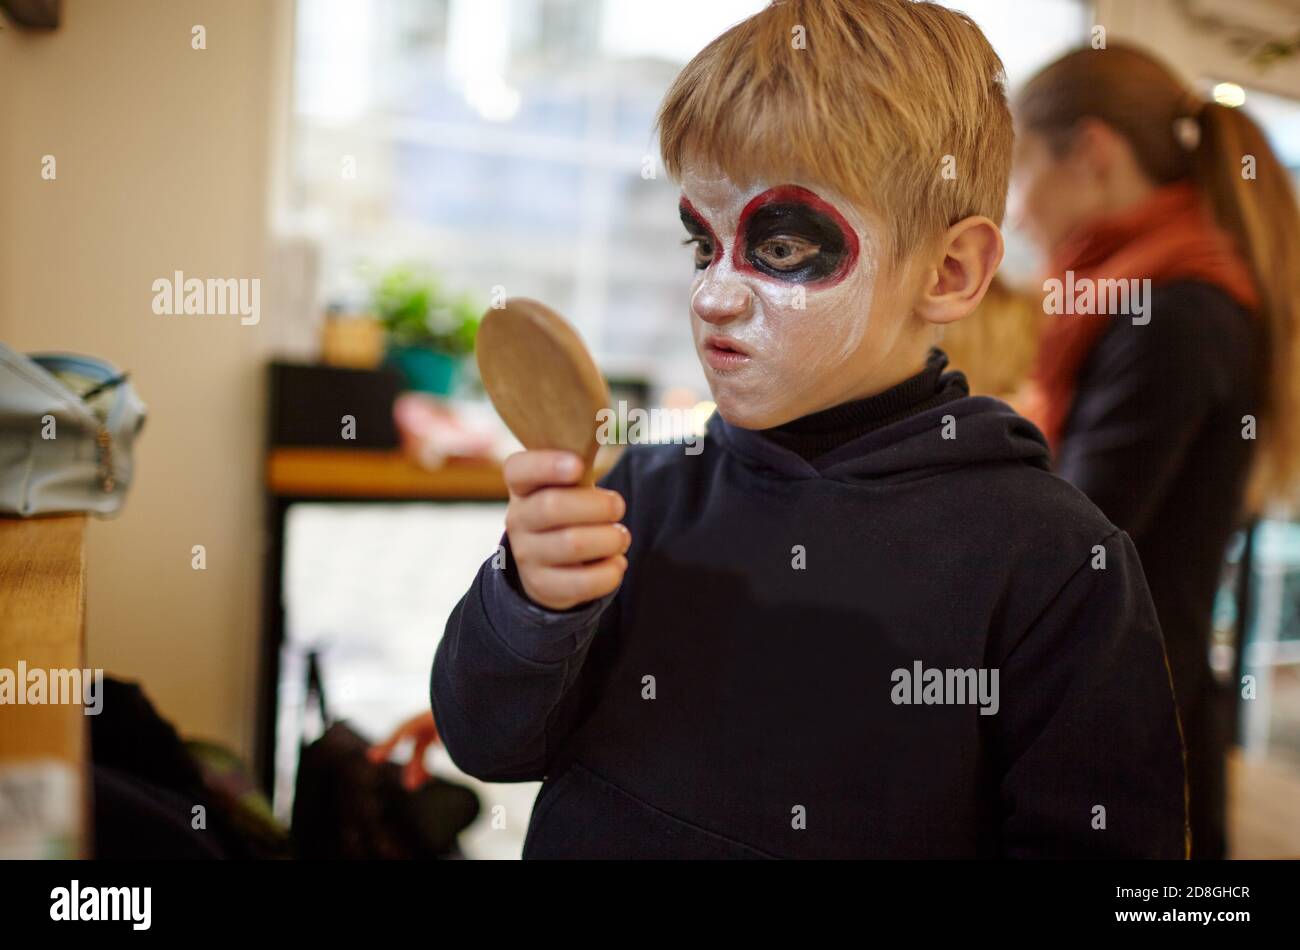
[754, 688]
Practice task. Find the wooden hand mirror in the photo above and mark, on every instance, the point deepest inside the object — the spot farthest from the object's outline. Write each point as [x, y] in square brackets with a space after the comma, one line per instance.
[541, 379]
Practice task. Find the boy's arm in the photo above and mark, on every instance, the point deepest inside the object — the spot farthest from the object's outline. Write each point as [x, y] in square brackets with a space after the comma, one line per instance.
[1087, 734]
[504, 671]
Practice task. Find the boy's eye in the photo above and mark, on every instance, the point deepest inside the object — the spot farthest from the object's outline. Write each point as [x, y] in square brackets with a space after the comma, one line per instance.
[786, 253]
[790, 234]
[703, 251]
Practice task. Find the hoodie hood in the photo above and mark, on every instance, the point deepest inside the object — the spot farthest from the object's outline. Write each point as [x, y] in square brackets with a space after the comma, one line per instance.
[981, 430]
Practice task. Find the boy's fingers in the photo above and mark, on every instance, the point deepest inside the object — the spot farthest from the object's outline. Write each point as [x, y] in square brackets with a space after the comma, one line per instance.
[564, 587]
[525, 472]
[572, 545]
[550, 508]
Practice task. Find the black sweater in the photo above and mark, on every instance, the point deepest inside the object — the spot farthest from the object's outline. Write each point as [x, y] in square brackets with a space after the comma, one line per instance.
[739, 696]
[814, 435]
[1155, 440]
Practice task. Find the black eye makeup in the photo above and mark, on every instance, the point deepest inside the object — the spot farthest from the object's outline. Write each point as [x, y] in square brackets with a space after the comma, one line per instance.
[789, 234]
[701, 235]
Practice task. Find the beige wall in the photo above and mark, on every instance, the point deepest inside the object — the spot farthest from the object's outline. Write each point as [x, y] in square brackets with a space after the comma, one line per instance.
[162, 156]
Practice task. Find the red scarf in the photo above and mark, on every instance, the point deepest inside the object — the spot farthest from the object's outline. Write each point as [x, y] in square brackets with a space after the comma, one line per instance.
[1169, 236]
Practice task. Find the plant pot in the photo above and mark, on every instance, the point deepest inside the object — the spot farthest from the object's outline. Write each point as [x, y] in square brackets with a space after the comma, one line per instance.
[426, 370]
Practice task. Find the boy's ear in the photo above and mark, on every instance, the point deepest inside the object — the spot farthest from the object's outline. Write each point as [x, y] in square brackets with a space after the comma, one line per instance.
[968, 256]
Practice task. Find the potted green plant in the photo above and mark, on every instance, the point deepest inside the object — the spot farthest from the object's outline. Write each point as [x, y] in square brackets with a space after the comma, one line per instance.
[430, 331]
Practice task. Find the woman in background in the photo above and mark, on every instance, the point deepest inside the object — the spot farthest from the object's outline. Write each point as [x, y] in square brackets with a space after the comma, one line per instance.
[1164, 409]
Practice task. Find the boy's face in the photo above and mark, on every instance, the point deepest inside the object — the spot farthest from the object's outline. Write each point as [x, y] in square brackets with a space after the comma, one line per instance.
[788, 311]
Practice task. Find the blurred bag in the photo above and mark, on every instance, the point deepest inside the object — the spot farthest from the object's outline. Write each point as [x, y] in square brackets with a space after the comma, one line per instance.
[347, 807]
[67, 426]
[148, 781]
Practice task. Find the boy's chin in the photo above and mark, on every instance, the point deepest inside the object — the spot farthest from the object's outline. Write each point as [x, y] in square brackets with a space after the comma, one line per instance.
[744, 414]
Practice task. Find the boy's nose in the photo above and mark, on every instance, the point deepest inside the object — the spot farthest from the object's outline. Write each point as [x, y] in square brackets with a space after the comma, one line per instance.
[721, 299]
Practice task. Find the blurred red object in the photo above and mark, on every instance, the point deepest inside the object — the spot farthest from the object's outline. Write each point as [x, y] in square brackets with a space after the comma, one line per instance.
[431, 432]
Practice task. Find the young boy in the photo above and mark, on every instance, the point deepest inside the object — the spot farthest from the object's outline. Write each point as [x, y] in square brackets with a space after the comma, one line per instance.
[865, 621]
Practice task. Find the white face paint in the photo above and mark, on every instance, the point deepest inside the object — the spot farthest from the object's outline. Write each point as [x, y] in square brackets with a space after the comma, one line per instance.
[781, 306]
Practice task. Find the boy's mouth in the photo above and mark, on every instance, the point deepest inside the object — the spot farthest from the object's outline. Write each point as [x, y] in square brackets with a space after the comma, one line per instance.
[722, 352]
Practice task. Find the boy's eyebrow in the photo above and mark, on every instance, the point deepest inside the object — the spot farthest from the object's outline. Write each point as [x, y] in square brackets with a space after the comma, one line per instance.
[690, 217]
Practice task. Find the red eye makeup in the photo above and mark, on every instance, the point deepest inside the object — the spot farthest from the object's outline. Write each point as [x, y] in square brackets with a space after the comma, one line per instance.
[787, 233]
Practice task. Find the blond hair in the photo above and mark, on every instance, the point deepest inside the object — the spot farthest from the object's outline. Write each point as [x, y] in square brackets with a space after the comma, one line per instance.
[1144, 101]
[995, 345]
[898, 105]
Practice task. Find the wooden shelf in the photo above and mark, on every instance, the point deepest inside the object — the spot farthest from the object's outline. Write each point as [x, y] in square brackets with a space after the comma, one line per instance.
[43, 748]
[371, 474]
[364, 473]
[42, 615]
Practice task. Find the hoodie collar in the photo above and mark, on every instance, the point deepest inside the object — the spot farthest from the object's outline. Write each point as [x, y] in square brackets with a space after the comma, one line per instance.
[969, 430]
[814, 436]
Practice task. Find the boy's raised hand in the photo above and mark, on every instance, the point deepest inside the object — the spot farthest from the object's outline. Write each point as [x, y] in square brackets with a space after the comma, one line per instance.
[566, 539]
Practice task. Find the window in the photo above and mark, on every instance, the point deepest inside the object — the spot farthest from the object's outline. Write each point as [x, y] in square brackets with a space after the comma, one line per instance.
[503, 141]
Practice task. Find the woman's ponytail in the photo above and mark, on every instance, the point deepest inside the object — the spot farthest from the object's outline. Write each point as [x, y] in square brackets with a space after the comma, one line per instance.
[1254, 201]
